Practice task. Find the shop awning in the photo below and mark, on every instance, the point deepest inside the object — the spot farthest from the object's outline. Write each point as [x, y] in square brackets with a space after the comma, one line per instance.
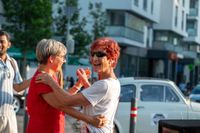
[17, 54]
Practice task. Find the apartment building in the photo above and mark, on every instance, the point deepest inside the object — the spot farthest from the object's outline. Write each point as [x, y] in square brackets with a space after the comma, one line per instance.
[168, 57]
[131, 24]
[192, 41]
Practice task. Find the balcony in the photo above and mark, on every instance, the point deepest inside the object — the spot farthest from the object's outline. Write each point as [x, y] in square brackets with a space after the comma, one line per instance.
[193, 12]
[174, 48]
[192, 32]
[124, 32]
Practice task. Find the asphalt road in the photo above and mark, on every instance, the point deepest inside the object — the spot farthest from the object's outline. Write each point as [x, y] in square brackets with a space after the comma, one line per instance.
[71, 125]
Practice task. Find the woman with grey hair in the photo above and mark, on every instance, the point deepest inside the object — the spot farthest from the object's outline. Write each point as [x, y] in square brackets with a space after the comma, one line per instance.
[45, 110]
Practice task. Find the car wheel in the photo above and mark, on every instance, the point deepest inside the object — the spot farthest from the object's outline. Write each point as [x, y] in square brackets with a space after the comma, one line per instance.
[16, 104]
[115, 130]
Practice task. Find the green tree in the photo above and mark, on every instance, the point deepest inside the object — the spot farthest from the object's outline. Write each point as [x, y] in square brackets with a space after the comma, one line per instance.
[81, 37]
[98, 20]
[77, 26]
[28, 21]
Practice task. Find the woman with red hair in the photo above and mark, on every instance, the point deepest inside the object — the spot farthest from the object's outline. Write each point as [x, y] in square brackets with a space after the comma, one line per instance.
[102, 97]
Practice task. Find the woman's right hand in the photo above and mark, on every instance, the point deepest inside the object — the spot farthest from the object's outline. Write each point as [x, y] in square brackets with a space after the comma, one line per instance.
[98, 121]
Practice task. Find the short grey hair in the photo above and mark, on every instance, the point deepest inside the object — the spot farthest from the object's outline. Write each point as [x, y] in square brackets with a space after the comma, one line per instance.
[47, 47]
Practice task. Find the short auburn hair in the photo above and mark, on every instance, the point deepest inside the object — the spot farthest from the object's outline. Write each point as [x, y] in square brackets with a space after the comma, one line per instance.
[108, 45]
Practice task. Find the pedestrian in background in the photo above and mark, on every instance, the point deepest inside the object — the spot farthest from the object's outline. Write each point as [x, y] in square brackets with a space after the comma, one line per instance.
[10, 79]
[69, 82]
[46, 113]
[102, 97]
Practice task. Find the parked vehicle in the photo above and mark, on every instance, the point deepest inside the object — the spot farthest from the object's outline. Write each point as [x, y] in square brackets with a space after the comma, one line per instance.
[195, 94]
[155, 99]
[18, 101]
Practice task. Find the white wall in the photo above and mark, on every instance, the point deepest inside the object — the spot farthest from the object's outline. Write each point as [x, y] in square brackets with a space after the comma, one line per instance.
[123, 5]
[167, 16]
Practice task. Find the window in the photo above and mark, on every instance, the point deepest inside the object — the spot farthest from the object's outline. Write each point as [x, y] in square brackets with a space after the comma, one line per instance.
[158, 93]
[183, 3]
[170, 96]
[116, 18]
[136, 2]
[145, 5]
[182, 22]
[152, 6]
[152, 93]
[134, 22]
[176, 17]
[127, 93]
[191, 28]
[193, 4]
[161, 36]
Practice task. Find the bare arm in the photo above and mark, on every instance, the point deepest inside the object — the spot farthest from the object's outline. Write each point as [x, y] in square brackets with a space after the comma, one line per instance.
[97, 121]
[73, 90]
[22, 86]
[64, 98]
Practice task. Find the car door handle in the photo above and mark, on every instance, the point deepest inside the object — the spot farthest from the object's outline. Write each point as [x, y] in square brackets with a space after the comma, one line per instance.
[140, 107]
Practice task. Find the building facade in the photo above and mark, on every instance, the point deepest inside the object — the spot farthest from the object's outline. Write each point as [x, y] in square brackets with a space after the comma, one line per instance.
[168, 56]
[158, 38]
[192, 41]
[131, 24]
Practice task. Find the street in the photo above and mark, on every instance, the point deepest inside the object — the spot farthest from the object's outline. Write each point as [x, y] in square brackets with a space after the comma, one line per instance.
[71, 126]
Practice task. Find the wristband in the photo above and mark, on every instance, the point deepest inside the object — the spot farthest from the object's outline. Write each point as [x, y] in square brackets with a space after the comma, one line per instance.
[77, 88]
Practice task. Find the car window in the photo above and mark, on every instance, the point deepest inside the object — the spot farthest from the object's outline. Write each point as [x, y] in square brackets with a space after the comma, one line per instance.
[127, 93]
[152, 93]
[170, 95]
[196, 90]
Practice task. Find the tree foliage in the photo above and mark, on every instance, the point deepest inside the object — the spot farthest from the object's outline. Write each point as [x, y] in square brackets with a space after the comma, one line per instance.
[77, 26]
[98, 20]
[28, 21]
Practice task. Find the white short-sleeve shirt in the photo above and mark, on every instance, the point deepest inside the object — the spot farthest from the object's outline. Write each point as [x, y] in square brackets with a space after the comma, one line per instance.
[103, 96]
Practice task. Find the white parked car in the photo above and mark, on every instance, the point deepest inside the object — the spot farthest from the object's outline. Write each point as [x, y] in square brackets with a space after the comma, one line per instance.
[195, 94]
[155, 99]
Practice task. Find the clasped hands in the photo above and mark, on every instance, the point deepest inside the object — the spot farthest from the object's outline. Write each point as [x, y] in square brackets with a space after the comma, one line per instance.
[82, 74]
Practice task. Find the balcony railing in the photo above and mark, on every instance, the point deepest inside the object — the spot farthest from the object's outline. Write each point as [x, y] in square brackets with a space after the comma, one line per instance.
[174, 48]
[121, 31]
[192, 32]
[193, 12]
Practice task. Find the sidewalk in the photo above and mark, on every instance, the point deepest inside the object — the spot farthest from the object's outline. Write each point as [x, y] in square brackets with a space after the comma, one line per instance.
[70, 124]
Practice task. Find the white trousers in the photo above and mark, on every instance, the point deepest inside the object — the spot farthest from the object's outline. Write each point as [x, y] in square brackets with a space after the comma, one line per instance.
[8, 124]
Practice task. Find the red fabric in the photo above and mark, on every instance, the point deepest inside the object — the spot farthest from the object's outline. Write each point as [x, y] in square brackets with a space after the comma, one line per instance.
[43, 117]
[87, 130]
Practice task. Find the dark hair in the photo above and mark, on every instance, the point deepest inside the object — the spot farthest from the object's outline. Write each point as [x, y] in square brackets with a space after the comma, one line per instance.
[2, 32]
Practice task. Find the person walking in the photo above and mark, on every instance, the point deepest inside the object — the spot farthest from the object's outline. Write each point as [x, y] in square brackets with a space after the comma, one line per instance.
[100, 98]
[10, 79]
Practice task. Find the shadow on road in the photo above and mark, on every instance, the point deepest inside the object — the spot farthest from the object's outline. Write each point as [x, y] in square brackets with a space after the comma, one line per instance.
[71, 125]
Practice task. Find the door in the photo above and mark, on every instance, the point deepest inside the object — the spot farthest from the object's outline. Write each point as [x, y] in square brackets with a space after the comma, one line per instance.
[128, 92]
[158, 101]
